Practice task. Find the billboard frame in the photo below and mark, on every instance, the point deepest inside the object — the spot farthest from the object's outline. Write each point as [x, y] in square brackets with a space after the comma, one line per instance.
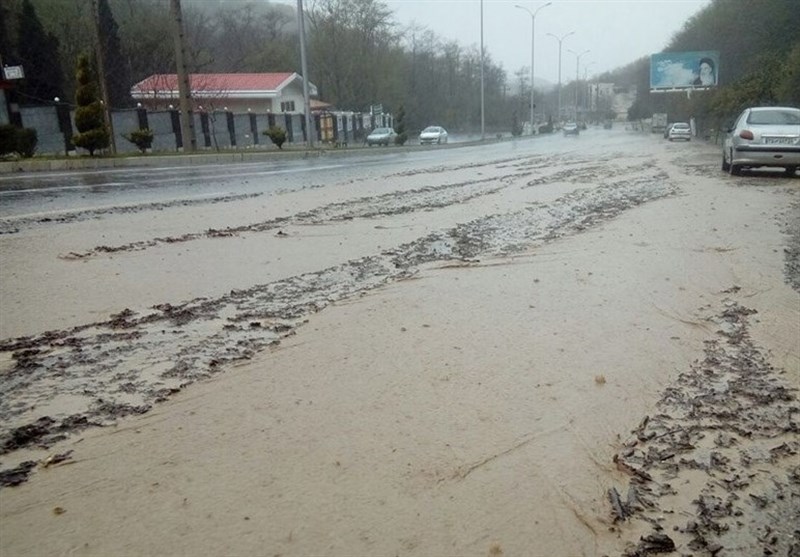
[680, 71]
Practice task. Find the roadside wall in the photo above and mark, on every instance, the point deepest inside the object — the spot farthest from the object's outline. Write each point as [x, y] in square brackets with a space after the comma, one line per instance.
[214, 131]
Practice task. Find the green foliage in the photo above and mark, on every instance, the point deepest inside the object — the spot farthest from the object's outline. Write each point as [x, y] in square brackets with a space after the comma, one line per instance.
[788, 89]
[400, 126]
[22, 141]
[516, 125]
[277, 134]
[759, 48]
[27, 140]
[38, 51]
[116, 67]
[8, 139]
[89, 116]
[142, 138]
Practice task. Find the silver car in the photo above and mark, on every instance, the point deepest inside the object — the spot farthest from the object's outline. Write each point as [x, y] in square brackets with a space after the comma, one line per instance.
[680, 130]
[571, 128]
[433, 134]
[381, 136]
[763, 136]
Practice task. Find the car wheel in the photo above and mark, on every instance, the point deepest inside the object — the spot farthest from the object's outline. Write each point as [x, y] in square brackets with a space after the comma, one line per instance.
[791, 170]
[734, 169]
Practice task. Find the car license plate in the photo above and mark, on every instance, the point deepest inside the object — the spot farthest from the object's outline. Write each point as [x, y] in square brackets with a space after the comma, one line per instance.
[779, 140]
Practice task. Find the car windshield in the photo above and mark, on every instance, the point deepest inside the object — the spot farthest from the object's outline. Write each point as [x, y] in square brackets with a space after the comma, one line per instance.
[381, 131]
[775, 117]
[680, 126]
[431, 129]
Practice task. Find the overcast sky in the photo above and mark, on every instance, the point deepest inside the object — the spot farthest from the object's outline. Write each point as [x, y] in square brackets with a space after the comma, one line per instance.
[615, 32]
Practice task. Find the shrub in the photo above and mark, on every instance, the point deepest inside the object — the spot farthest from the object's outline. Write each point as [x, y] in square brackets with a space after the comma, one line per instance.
[27, 139]
[8, 139]
[89, 116]
[400, 126]
[277, 134]
[142, 138]
[22, 141]
[516, 125]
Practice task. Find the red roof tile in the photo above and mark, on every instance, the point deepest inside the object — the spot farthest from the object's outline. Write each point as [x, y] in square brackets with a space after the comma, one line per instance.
[229, 82]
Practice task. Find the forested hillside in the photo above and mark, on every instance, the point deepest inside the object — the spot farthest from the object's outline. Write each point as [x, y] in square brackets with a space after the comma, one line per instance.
[358, 55]
[759, 46]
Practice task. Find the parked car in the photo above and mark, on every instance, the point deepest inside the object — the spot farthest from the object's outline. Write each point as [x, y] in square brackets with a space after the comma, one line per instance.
[381, 136]
[763, 136]
[666, 130]
[433, 134]
[571, 128]
[680, 130]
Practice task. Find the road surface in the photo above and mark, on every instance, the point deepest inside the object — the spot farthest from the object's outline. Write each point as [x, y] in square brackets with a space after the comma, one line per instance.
[559, 346]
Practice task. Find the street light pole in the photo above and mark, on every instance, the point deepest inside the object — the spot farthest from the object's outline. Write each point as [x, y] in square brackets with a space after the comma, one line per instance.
[560, 39]
[483, 127]
[533, 22]
[585, 80]
[577, 75]
[301, 26]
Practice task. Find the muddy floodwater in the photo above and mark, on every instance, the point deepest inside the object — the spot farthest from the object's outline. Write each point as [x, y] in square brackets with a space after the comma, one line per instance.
[563, 346]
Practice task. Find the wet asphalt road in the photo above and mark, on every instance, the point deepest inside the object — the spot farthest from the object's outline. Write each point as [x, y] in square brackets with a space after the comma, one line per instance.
[40, 193]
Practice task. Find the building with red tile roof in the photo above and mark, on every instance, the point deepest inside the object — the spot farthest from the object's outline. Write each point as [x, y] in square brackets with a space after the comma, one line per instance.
[236, 92]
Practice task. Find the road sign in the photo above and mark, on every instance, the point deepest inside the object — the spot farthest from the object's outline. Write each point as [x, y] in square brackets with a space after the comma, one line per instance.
[13, 72]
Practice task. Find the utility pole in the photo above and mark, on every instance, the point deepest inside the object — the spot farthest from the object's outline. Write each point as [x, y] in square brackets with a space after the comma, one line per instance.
[560, 40]
[483, 127]
[577, 76]
[533, 29]
[101, 74]
[301, 26]
[184, 90]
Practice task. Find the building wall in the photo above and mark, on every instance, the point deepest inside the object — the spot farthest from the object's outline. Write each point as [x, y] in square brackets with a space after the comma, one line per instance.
[45, 121]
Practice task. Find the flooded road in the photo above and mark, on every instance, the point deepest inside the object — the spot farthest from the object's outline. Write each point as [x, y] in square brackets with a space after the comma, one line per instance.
[39, 193]
[387, 334]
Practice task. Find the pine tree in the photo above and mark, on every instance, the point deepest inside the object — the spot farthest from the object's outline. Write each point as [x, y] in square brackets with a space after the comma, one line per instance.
[400, 126]
[89, 116]
[37, 51]
[5, 40]
[117, 72]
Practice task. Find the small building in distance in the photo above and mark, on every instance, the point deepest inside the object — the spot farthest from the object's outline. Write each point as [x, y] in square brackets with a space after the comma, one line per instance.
[234, 92]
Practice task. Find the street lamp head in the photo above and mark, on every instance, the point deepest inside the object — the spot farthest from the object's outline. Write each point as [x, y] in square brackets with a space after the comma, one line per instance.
[530, 13]
[562, 37]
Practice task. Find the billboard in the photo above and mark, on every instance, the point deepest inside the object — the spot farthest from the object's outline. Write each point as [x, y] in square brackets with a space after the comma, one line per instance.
[684, 70]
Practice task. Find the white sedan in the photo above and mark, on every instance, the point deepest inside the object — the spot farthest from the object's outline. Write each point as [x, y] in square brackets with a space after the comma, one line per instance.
[433, 134]
[763, 136]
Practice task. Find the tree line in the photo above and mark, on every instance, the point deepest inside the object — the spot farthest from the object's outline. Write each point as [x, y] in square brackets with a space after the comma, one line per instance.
[358, 54]
[759, 53]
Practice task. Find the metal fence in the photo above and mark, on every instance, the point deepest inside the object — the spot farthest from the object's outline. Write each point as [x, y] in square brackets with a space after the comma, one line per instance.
[215, 131]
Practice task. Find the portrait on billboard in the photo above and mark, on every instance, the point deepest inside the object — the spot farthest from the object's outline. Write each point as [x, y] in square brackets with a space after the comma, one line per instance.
[684, 70]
